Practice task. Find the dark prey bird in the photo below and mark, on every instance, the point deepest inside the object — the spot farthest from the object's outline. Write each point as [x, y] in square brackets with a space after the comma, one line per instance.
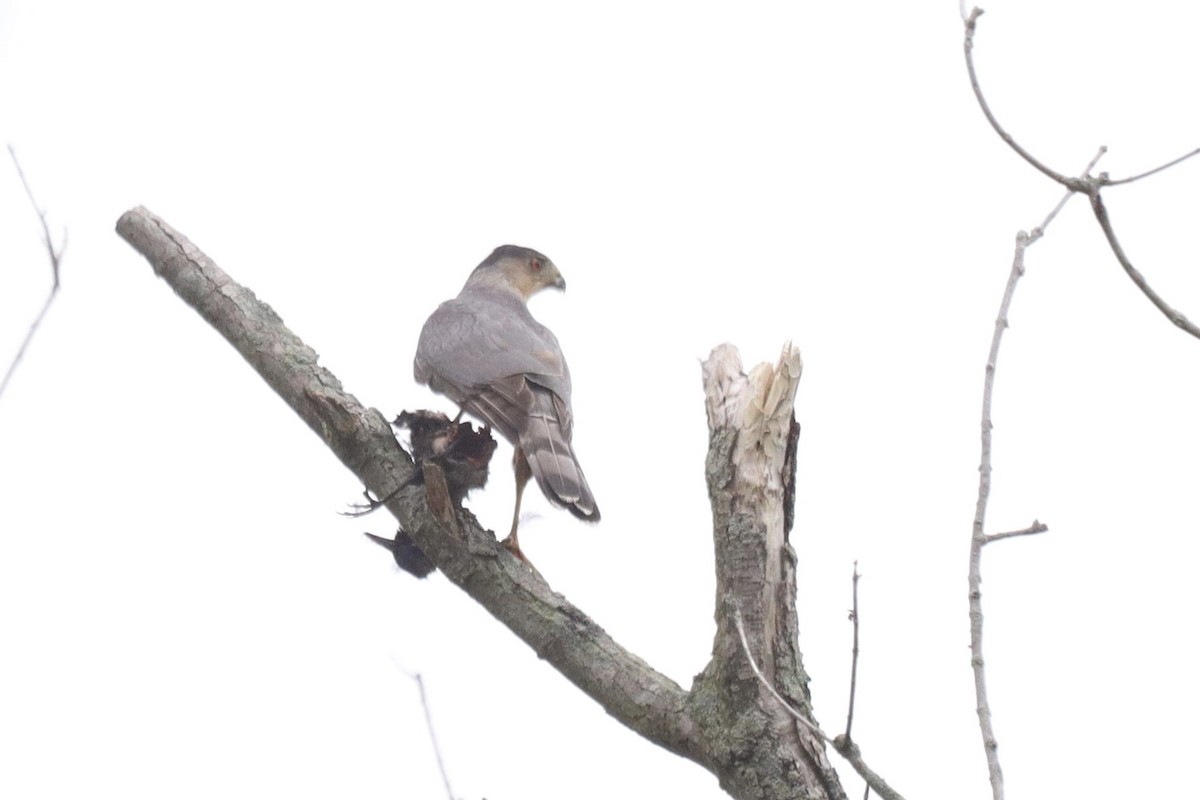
[486, 352]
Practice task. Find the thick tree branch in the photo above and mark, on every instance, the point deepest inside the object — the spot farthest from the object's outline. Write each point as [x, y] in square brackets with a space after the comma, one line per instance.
[728, 722]
[628, 689]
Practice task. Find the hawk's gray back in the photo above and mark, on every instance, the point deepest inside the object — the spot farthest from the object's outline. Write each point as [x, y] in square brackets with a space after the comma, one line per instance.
[486, 352]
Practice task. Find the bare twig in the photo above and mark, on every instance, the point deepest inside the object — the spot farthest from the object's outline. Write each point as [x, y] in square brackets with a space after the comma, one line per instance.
[55, 255]
[1105, 180]
[853, 652]
[1177, 318]
[805, 721]
[849, 751]
[968, 47]
[437, 751]
[1037, 232]
[1090, 186]
[842, 744]
[1035, 528]
[1086, 184]
[978, 537]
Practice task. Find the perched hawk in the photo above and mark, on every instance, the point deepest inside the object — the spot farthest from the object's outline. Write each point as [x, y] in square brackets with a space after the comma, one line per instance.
[486, 352]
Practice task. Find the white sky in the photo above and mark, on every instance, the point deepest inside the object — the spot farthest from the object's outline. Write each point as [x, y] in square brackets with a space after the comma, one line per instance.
[182, 612]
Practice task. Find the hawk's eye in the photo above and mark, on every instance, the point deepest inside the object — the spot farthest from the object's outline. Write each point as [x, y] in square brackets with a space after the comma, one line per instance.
[535, 264]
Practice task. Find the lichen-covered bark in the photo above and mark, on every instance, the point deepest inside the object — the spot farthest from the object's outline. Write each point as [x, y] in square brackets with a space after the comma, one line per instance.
[765, 752]
[727, 722]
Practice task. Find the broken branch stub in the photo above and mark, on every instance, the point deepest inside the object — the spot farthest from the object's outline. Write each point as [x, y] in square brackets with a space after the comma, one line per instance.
[750, 420]
[750, 471]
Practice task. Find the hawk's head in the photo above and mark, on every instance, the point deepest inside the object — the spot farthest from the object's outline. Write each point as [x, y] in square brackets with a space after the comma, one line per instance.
[519, 269]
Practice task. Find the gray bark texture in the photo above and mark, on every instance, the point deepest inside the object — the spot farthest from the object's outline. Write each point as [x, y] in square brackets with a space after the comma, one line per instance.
[728, 722]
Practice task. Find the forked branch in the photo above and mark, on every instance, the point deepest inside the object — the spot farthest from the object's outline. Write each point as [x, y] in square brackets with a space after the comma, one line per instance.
[1086, 184]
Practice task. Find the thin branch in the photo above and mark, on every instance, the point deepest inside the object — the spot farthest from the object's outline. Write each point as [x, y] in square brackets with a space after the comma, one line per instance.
[437, 751]
[853, 652]
[1035, 528]
[805, 721]
[1109, 182]
[842, 744]
[995, 774]
[1084, 185]
[55, 256]
[849, 751]
[1090, 186]
[978, 538]
[1037, 232]
[12, 367]
[1177, 318]
[968, 50]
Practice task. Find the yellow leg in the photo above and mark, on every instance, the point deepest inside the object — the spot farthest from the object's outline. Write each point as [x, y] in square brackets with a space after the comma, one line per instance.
[522, 473]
